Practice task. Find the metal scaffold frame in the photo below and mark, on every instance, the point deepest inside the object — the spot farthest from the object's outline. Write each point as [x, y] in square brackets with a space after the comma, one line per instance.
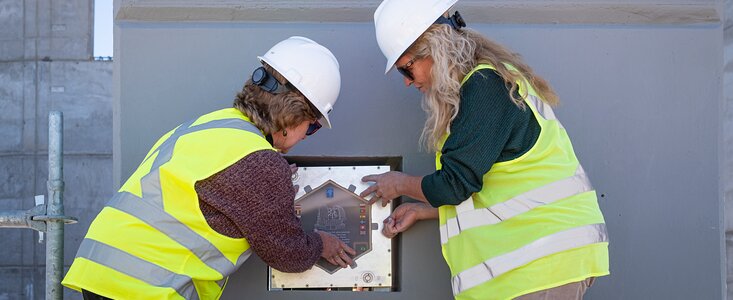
[48, 217]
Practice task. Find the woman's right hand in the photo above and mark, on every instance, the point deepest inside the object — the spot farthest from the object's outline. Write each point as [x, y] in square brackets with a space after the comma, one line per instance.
[335, 251]
[405, 215]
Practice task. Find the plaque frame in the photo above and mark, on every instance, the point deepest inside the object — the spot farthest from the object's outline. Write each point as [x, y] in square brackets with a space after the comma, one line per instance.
[374, 268]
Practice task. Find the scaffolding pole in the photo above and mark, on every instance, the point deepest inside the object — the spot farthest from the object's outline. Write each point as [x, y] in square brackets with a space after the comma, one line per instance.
[55, 208]
[48, 217]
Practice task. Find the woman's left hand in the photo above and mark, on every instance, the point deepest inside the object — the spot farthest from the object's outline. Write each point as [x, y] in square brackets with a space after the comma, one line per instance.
[405, 215]
[386, 186]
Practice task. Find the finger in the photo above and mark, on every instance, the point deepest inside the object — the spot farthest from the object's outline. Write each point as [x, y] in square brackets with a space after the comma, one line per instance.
[372, 200]
[339, 261]
[399, 227]
[385, 201]
[389, 232]
[330, 260]
[347, 260]
[368, 178]
[348, 249]
[402, 226]
[388, 229]
[369, 190]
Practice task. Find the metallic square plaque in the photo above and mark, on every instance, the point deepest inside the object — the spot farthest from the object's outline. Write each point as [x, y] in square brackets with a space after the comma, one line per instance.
[328, 200]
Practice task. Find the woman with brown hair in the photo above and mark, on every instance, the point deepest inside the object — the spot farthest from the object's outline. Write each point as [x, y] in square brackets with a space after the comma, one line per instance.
[518, 216]
[215, 189]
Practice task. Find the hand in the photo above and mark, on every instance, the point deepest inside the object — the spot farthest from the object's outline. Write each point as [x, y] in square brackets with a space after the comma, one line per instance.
[405, 215]
[385, 187]
[335, 251]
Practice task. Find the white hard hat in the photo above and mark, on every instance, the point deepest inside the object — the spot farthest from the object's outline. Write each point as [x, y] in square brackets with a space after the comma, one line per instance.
[309, 67]
[398, 23]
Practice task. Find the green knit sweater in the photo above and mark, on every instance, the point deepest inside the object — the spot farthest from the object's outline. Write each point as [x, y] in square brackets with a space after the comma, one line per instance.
[489, 128]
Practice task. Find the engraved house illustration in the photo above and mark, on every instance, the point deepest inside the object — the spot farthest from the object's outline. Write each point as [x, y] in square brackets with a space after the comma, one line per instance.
[338, 211]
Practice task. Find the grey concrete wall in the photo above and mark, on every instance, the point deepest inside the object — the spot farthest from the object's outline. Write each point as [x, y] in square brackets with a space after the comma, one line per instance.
[661, 208]
[45, 64]
[495, 12]
[640, 101]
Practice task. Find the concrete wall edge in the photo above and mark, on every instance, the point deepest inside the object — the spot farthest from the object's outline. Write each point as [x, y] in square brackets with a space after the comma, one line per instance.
[473, 11]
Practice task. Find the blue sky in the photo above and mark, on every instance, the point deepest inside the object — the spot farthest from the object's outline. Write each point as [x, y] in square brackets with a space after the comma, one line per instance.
[103, 28]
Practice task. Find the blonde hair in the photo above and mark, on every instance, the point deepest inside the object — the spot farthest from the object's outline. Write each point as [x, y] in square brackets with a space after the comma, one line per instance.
[274, 112]
[454, 54]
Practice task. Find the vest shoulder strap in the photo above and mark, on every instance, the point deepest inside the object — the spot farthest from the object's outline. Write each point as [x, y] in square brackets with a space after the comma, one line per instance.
[479, 67]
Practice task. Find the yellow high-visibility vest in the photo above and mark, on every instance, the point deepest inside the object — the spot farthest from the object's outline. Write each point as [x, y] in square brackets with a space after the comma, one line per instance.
[534, 225]
[151, 240]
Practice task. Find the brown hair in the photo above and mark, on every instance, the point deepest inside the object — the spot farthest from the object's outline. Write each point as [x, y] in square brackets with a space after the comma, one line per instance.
[274, 112]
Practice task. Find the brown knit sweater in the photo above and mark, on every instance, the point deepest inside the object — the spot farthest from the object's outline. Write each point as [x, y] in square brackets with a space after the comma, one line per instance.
[253, 199]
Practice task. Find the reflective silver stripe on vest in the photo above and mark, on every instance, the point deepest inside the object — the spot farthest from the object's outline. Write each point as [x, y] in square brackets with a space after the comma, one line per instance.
[133, 266]
[467, 217]
[149, 209]
[242, 258]
[545, 246]
[223, 282]
[544, 109]
[143, 209]
[166, 148]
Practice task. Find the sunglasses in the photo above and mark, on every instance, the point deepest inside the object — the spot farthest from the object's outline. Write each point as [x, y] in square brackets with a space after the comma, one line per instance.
[313, 127]
[405, 69]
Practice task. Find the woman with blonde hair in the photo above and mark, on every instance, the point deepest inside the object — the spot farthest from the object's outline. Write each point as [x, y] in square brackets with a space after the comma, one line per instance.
[215, 189]
[518, 216]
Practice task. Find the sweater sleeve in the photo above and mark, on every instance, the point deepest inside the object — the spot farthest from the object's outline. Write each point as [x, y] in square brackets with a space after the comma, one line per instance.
[489, 128]
[253, 198]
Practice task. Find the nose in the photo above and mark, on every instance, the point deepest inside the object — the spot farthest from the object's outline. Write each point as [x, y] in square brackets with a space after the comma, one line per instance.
[407, 81]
